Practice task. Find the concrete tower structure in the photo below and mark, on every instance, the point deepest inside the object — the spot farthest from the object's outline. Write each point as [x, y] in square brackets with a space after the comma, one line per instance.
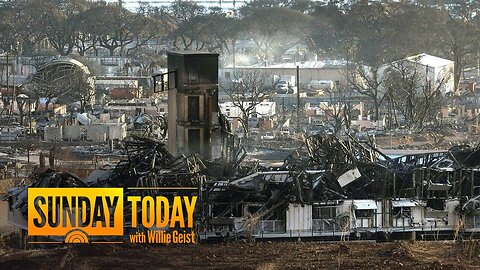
[193, 103]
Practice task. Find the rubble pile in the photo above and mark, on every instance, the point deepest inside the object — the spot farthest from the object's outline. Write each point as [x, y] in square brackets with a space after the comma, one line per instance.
[18, 196]
[235, 197]
[149, 164]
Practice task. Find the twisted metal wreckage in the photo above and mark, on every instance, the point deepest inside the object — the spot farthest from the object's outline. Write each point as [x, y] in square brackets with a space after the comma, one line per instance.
[330, 186]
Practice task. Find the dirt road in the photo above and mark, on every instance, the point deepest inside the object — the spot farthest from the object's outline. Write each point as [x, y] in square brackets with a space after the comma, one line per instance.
[285, 255]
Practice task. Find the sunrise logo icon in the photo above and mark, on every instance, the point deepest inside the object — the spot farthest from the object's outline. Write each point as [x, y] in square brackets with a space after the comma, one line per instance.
[76, 237]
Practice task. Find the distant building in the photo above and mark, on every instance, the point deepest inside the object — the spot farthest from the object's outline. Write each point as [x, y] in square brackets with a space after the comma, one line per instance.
[133, 107]
[118, 87]
[432, 70]
[330, 70]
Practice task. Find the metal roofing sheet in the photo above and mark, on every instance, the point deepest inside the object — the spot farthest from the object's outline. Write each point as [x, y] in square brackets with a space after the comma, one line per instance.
[404, 203]
[364, 204]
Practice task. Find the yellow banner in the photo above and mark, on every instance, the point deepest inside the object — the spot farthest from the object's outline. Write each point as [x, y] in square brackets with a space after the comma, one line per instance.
[75, 212]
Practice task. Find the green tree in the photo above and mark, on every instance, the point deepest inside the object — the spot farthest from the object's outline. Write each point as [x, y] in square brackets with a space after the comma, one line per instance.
[114, 28]
[328, 31]
[218, 31]
[186, 25]
[274, 29]
[31, 28]
[9, 29]
[460, 43]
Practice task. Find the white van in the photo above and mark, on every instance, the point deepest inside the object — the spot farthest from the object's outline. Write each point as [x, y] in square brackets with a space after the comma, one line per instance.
[315, 85]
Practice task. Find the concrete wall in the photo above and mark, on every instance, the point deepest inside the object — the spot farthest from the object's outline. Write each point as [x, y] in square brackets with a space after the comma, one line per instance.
[108, 131]
[119, 119]
[97, 133]
[53, 134]
[72, 133]
[104, 117]
[117, 131]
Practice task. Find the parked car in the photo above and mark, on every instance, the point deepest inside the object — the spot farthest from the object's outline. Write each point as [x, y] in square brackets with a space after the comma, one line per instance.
[282, 87]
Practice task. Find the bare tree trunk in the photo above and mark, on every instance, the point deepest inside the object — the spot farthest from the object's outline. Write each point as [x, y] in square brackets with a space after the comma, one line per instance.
[377, 105]
[246, 127]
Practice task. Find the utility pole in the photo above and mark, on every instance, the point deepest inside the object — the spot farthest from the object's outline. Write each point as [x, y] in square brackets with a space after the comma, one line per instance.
[234, 54]
[478, 66]
[30, 115]
[13, 93]
[298, 99]
[7, 81]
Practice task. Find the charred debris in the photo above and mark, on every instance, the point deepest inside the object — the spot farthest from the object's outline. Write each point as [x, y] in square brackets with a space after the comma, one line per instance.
[346, 176]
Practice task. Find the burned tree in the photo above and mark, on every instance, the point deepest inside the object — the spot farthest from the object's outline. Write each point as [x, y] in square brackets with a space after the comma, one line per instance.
[337, 109]
[246, 90]
[367, 81]
[84, 93]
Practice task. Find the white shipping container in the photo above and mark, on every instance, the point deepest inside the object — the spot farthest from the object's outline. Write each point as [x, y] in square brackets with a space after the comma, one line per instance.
[299, 218]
